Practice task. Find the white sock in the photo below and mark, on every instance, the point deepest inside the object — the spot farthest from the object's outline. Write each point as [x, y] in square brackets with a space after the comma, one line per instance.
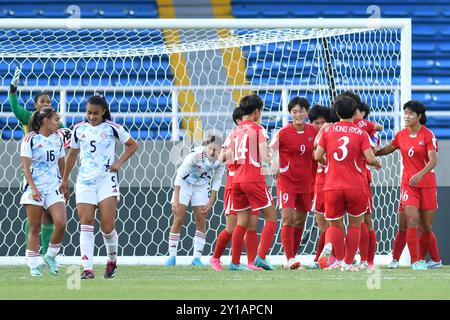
[174, 238]
[53, 249]
[87, 246]
[199, 243]
[32, 259]
[111, 243]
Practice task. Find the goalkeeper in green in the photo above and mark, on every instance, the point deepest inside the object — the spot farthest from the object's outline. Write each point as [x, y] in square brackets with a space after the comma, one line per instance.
[41, 100]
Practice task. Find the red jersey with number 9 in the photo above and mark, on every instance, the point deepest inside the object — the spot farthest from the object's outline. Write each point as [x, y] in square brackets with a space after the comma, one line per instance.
[244, 143]
[345, 143]
[414, 150]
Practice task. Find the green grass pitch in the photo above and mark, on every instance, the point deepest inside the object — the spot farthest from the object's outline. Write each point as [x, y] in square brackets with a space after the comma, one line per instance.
[186, 282]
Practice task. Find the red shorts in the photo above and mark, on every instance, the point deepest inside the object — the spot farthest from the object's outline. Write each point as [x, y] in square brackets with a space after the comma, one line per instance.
[228, 202]
[251, 195]
[318, 203]
[422, 198]
[339, 202]
[293, 200]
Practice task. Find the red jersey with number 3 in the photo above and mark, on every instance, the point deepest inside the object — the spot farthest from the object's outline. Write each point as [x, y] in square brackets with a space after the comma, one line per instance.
[414, 150]
[344, 144]
[295, 157]
[245, 141]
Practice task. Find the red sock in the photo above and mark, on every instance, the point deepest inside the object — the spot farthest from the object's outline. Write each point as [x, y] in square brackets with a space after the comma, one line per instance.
[267, 234]
[434, 250]
[287, 240]
[399, 244]
[372, 246]
[364, 242]
[298, 232]
[237, 243]
[320, 244]
[412, 239]
[251, 245]
[335, 235]
[222, 242]
[424, 244]
[351, 243]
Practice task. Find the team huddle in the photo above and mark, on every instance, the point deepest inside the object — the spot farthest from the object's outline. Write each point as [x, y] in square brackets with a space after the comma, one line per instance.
[320, 166]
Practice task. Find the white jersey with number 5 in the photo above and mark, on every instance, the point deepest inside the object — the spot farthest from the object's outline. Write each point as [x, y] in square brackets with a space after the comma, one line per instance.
[44, 153]
[97, 146]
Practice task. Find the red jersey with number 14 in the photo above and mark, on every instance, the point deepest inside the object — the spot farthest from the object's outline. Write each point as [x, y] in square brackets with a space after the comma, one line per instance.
[414, 151]
[295, 150]
[245, 141]
[344, 144]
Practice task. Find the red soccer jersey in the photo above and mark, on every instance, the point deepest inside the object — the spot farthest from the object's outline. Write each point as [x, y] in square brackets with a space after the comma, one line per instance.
[344, 144]
[366, 125]
[295, 157]
[320, 175]
[229, 164]
[414, 151]
[245, 141]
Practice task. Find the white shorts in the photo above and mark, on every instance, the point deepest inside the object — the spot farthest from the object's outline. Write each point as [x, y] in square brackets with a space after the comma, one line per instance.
[47, 199]
[105, 187]
[197, 195]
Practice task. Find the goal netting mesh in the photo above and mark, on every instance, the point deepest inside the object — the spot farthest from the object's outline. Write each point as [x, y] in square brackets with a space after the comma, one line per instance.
[168, 88]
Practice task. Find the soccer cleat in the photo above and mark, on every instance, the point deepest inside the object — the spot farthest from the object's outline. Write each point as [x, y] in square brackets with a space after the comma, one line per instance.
[36, 272]
[251, 266]
[371, 266]
[87, 274]
[434, 265]
[350, 268]
[336, 265]
[263, 263]
[52, 265]
[216, 264]
[364, 265]
[197, 263]
[324, 258]
[111, 270]
[313, 266]
[237, 267]
[393, 265]
[292, 264]
[171, 261]
[419, 265]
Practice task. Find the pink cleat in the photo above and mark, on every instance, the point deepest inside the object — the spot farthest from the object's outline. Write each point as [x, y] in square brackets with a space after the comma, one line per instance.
[252, 266]
[216, 264]
[371, 266]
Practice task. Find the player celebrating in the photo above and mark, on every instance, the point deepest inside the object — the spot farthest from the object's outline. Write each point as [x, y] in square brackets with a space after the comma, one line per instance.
[294, 143]
[192, 185]
[97, 183]
[42, 156]
[318, 116]
[250, 193]
[347, 148]
[418, 202]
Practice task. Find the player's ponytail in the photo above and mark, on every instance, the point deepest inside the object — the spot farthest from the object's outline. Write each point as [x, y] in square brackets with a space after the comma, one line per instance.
[99, 100]
[38, 116]
[417, 107]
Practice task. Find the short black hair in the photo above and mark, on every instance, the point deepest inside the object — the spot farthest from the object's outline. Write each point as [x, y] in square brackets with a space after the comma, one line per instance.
[364, 107]
[318, 111]
[250, 103]
[237, 114]
[352, 95]
[417, 107]
[332, 116]
[301, 101]
[345, 106]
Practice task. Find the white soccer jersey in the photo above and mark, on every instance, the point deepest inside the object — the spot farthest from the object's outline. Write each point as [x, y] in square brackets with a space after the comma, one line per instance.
[44, 153]
[198, 170]
[97, 147]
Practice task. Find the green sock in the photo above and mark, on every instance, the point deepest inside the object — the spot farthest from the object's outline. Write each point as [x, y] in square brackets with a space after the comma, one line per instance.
[46, 234]
[27, 227]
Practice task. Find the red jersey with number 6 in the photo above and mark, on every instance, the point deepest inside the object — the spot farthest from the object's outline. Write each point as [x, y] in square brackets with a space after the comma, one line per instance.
[245, 141]
[344, 144]
[295, 157]
[414, 150]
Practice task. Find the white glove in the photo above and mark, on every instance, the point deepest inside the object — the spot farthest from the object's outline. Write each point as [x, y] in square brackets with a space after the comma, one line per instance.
[15, 79]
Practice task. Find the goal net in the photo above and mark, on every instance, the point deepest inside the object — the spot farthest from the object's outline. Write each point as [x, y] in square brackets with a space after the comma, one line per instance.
[170, 83]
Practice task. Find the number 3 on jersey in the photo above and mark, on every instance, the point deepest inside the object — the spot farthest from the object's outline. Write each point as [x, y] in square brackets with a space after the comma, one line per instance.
[343, 147]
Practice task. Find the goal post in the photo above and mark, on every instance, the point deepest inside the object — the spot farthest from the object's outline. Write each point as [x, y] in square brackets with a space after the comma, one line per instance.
[153, 84]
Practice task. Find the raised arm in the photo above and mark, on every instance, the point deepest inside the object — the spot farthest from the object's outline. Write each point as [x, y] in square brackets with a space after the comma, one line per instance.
[22, 114]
